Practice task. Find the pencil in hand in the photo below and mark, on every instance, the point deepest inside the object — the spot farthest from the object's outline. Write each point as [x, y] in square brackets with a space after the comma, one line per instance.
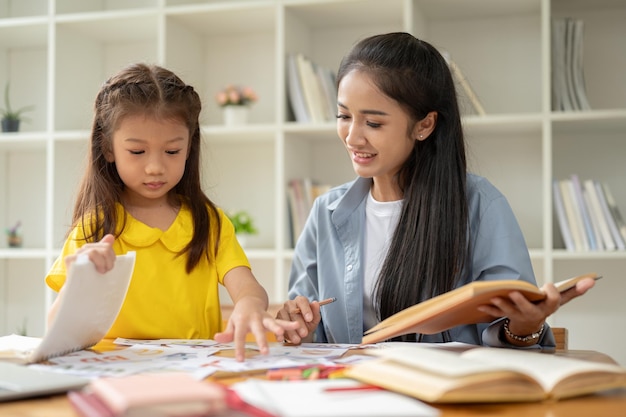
[322, 303]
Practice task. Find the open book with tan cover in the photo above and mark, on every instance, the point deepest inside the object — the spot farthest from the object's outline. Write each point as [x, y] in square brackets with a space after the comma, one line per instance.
[484, 374]
[457, 307]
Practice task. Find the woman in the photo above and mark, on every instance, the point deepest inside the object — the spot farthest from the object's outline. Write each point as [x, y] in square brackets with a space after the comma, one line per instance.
[414, 224]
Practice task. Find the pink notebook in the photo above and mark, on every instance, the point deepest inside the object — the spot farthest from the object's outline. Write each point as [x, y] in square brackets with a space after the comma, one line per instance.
[159, 394]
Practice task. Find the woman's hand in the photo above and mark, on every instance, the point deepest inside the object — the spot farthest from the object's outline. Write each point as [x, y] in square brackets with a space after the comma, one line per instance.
[526, 317]
[306, 314]
[100, 253]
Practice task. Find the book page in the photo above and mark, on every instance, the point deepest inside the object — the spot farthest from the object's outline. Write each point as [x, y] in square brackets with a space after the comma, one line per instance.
[439, 361]
[91, 302]
[548, 369]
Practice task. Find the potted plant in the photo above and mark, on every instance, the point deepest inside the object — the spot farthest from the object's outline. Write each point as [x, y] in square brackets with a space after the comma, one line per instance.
[235, 101]
[11, 118]
[244, 225]
[14, 239]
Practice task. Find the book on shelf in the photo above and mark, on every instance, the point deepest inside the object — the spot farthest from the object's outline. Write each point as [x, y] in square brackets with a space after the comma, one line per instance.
[589, 215]
[594, 220]
[615, 211]
[485, 375]
[301, 193]
[574, 217]
[568, 84]
[595, 209]
[311, 90]
[583, 212]
[606, 211]
[559, 207]
[295, 91]
[457, 307]
[461, 80]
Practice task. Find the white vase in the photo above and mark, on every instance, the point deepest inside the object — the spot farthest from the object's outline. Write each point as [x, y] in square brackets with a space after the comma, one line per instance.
[235, 115]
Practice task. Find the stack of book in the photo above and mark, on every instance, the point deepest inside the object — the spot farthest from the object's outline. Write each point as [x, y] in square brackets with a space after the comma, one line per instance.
[588, 215]
[568, 83]
[312, 90]
[158, 394]
[301, 192]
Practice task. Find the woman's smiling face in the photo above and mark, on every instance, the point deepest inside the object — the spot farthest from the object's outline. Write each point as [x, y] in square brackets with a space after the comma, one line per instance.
[374, 129]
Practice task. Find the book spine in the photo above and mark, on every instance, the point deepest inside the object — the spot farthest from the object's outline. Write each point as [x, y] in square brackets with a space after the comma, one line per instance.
[619, 242]
[296, 97]
[596, 210]
[467, 88]
[562, 217]
[595, 226]
[583, 212]
[572, 220]
[614, 209]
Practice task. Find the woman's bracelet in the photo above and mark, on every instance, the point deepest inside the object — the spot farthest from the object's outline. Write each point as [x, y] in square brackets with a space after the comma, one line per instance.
[524, 339]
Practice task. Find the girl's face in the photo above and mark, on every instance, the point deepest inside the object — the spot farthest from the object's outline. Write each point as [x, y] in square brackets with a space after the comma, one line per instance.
[150, 156]
[374, 130]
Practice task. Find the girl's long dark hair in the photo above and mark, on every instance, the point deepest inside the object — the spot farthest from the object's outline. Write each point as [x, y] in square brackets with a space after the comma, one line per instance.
[429, 247]
[156, 92]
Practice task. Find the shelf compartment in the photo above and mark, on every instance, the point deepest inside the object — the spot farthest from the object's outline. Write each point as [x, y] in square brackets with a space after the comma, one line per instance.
[240, 176]
[83, 6]
[105, 44]
[24, 58]
[513, 162]
[211, 47]
[505, 38]
[24, 200]
[18, 9]
[604, 49]
[69, 167]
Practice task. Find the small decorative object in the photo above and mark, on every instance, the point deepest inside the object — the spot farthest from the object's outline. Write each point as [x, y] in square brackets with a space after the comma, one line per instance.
[11, 118]
[244, 225]
[14, 239]
[23, 329]
[235, 101]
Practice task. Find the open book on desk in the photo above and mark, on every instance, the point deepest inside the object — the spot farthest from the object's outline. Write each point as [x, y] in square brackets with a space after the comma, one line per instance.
[457, 307]
[91, 302]
[485, 374]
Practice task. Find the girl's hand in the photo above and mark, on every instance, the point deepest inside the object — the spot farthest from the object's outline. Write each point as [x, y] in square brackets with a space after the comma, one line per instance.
[249, 316]
[303, 312]
[100, 253]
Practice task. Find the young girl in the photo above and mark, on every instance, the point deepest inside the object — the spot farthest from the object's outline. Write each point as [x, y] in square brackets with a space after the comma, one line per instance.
[141, 192]
[414, 224]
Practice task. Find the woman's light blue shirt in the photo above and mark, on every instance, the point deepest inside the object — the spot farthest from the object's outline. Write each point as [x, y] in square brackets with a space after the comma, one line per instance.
[328, 262]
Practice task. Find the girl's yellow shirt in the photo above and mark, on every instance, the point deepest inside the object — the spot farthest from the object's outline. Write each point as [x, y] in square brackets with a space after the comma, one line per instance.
[163, 300]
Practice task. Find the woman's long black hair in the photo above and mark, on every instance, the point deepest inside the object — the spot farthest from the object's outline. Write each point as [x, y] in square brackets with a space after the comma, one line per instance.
[429, 247]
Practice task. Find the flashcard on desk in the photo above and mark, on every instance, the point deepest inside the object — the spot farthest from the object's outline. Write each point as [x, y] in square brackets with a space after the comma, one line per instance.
[329, 397]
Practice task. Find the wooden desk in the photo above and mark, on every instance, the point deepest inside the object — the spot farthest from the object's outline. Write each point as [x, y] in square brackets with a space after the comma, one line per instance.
[608, 404]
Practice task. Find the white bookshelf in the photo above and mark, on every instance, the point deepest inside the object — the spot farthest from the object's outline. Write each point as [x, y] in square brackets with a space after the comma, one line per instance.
[58, 53]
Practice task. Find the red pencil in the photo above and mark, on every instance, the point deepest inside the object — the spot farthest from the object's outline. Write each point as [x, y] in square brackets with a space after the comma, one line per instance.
[356, 388]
